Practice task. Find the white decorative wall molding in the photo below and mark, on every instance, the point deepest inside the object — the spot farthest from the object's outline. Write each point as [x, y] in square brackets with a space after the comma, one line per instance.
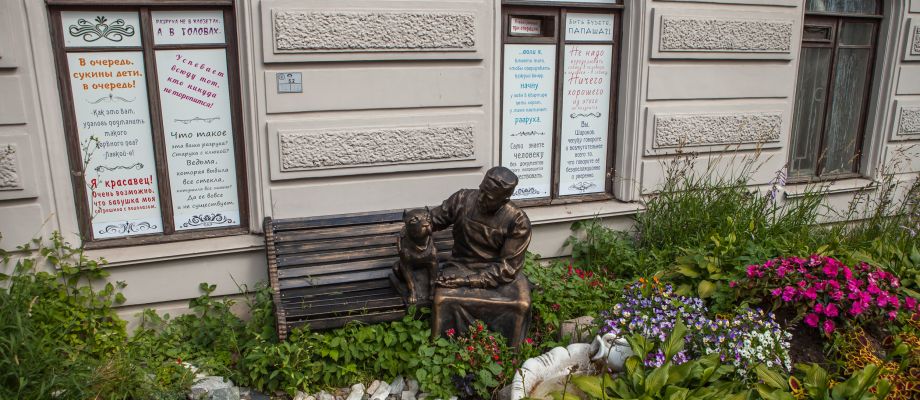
[715, 128]
[9, 168]
[906, 120]
[17, 167]
[362, 30]
[915, 6]
[722, 35]
[912, 52]
[354, 143]
[306, 31]
[303, 150]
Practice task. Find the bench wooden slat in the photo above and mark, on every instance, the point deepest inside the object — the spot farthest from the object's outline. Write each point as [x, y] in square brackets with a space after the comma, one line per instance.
[338, 220]
[363, 306]
[338, 232]
[382, 273]
[327, 323]
[329, 245]
[335, 298]
[339, 289]
[353, 266]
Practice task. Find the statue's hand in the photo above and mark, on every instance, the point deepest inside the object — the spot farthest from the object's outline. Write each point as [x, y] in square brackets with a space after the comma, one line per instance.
[451, 282]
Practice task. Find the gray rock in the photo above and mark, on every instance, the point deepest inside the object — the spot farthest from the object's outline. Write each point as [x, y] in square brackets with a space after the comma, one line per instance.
[252, 394]
[381, 393]
[357, 392]
[505, 393]
[398, 385]
[412, 386]
[214, 388]
[577, 329]
[300, 396]
[407, 395]
[322, 395]
[373, 387]
[422, 396]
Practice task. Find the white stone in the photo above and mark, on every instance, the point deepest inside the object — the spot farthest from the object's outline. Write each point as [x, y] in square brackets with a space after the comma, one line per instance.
[398, 385]
[412, 386]
[322, 395]
[357, 392]
[300, 396]
[406, 395]
[381, 393]
[214, 388]
[373, 387]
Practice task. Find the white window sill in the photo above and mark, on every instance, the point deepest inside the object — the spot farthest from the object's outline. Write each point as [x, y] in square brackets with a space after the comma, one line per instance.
[123, 256]
[799, 190]
[572, 212]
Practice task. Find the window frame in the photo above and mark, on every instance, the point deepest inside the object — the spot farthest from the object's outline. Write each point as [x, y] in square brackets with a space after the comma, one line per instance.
[835, 21]
[148, 48]
[560, 10]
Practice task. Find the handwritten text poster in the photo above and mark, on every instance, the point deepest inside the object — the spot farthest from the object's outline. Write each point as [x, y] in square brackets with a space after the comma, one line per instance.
[585, 119]
[527, 117]
[188, 27]
[197, 125]
[113, 125]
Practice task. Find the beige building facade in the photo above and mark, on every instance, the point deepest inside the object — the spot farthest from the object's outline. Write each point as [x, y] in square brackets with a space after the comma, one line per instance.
[320, 107]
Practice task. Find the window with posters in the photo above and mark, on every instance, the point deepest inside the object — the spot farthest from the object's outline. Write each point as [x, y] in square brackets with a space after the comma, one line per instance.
[559, 69]
[151, 107]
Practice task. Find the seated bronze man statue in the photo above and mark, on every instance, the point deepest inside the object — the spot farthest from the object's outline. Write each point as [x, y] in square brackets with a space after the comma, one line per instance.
[482, 280]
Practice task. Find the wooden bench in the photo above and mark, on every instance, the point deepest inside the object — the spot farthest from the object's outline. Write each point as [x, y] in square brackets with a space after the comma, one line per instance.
[327, 271]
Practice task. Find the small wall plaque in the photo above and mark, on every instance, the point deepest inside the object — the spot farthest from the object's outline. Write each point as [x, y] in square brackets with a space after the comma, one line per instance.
[289, 82]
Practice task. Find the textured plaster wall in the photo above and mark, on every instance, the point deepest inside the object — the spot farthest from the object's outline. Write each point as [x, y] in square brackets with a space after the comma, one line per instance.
[909, 123]
[300, 30]
[322, 149]
[9, 170]
[709, 129]
[682, 33]
[915, 41]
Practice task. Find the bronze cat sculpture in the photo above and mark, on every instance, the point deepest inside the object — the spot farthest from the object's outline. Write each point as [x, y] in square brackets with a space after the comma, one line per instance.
[418, 257]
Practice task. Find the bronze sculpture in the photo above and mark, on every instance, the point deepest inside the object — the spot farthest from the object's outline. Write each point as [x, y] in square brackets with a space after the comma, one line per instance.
[482, 280]
[418, 258]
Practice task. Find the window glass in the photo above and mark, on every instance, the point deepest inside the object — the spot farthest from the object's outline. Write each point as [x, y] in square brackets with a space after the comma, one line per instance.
[101, 29]
[843, 6]
[844, 122]
[810, 100]
[195, 99]
[528, 116]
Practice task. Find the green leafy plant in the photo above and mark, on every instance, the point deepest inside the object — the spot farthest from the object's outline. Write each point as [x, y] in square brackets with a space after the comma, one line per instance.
[818, 385]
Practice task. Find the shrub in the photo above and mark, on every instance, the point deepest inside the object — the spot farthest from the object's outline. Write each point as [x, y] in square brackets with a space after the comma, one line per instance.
[825, 292]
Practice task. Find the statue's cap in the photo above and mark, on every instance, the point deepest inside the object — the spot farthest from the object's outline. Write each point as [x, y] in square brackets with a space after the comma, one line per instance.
[499, 180]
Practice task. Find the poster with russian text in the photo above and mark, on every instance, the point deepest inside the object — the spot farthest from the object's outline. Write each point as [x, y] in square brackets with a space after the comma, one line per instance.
[188, 27]
[116, 146]
[585, 119]
[198, 129]
[527, 117]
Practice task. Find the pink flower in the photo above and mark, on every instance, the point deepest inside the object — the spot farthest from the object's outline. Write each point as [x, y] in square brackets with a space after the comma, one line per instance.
[830, 269]
[788, 293]
[828, 326]
[910, 303]
[836, 295]
[776, 292]
[819, 308]
[732, 284]
[830, 310]
[847, 273]
[857, 308]
[882, 300]
[892, 314]
[811, 320]
[811, 293]
[894, 282]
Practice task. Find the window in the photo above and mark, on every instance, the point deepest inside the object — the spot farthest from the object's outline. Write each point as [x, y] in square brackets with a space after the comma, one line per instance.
[151, 107]
[832, 93]
[559, 69]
